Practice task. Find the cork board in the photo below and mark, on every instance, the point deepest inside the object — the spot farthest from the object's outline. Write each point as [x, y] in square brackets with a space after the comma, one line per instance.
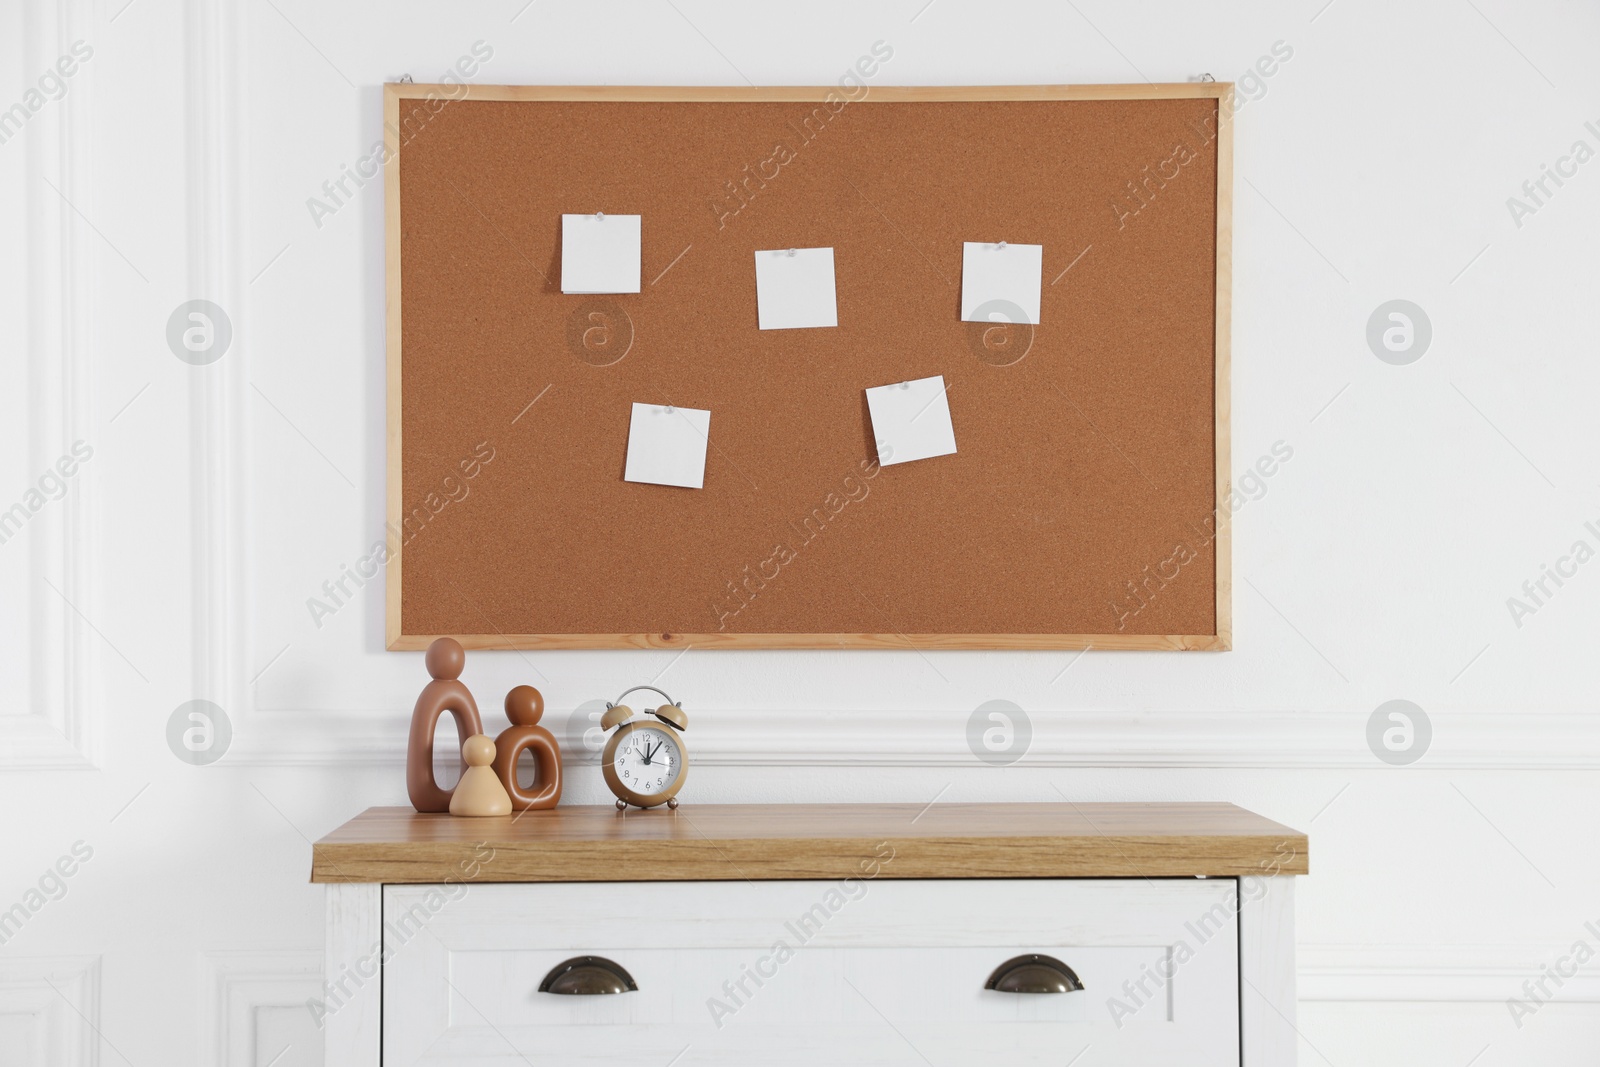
[1085, 506]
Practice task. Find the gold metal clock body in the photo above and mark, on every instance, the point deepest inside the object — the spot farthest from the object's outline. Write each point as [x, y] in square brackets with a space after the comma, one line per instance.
[621, 786]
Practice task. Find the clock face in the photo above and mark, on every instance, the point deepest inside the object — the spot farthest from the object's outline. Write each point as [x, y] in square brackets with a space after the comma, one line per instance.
[648, 760]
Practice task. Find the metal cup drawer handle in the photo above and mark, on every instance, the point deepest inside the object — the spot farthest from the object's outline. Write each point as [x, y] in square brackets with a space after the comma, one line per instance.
[588, 976]
[1033, 973]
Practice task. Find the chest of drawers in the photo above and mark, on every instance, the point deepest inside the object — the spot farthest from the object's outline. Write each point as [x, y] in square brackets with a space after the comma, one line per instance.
[1018, 934]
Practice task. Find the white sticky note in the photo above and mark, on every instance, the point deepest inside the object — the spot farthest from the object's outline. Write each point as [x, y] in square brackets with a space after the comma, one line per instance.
[999, 283]
[600, 253]
[911, 420]
[667, 446]
[794, 289]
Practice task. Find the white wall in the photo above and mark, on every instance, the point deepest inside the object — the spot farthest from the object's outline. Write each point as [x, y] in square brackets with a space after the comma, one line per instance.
[1375, 164]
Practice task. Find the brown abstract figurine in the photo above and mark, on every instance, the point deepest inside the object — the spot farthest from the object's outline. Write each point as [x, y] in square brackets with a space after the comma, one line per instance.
[445, 660]
[524, 707]
[479, 793]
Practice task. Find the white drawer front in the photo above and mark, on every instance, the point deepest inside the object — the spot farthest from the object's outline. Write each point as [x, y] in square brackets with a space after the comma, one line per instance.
[859, 972]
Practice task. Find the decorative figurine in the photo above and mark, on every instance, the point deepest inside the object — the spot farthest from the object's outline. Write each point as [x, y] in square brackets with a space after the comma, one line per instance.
[524, 707]
[445, 660]
[479, 793]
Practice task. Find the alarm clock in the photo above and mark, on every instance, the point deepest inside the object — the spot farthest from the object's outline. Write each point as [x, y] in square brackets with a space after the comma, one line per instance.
[645, 762]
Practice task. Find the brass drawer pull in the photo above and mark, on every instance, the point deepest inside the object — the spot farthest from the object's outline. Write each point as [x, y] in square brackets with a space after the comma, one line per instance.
[588, 976]
[1033, 973]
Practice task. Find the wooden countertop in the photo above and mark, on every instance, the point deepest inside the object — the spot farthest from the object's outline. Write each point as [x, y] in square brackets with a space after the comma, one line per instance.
[725, 842]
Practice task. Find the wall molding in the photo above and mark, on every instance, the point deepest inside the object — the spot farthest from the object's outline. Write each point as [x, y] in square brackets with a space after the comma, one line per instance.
[239, 985]
[60, 998]
[62, 730]
[1445, 974]
[218, 426]
[1271, 740]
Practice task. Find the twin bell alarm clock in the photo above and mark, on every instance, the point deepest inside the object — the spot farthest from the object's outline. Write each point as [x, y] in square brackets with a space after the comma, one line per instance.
[645, 762]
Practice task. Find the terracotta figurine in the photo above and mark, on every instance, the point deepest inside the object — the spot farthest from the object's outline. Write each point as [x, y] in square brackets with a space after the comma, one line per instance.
[445, 660]
[524, 707]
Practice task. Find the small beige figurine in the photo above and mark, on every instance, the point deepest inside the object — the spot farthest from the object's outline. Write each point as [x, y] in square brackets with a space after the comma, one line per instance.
[479, 792]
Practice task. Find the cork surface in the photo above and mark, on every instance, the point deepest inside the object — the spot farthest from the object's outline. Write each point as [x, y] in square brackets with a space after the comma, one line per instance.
[1084, 467]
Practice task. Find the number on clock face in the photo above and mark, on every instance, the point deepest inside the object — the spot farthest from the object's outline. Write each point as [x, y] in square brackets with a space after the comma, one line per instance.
[647, 761]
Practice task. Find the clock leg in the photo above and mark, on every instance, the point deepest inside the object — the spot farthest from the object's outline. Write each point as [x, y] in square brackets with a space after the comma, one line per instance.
[672, 803]
[622, 805]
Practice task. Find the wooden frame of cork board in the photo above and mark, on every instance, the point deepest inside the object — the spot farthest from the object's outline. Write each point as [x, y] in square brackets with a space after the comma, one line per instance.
[1087, 505]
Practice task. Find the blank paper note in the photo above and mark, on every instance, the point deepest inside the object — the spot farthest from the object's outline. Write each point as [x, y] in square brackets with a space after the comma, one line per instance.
[794, 289]
[1000, 282]
[600, 253]
[911, 420]
[667, 446]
